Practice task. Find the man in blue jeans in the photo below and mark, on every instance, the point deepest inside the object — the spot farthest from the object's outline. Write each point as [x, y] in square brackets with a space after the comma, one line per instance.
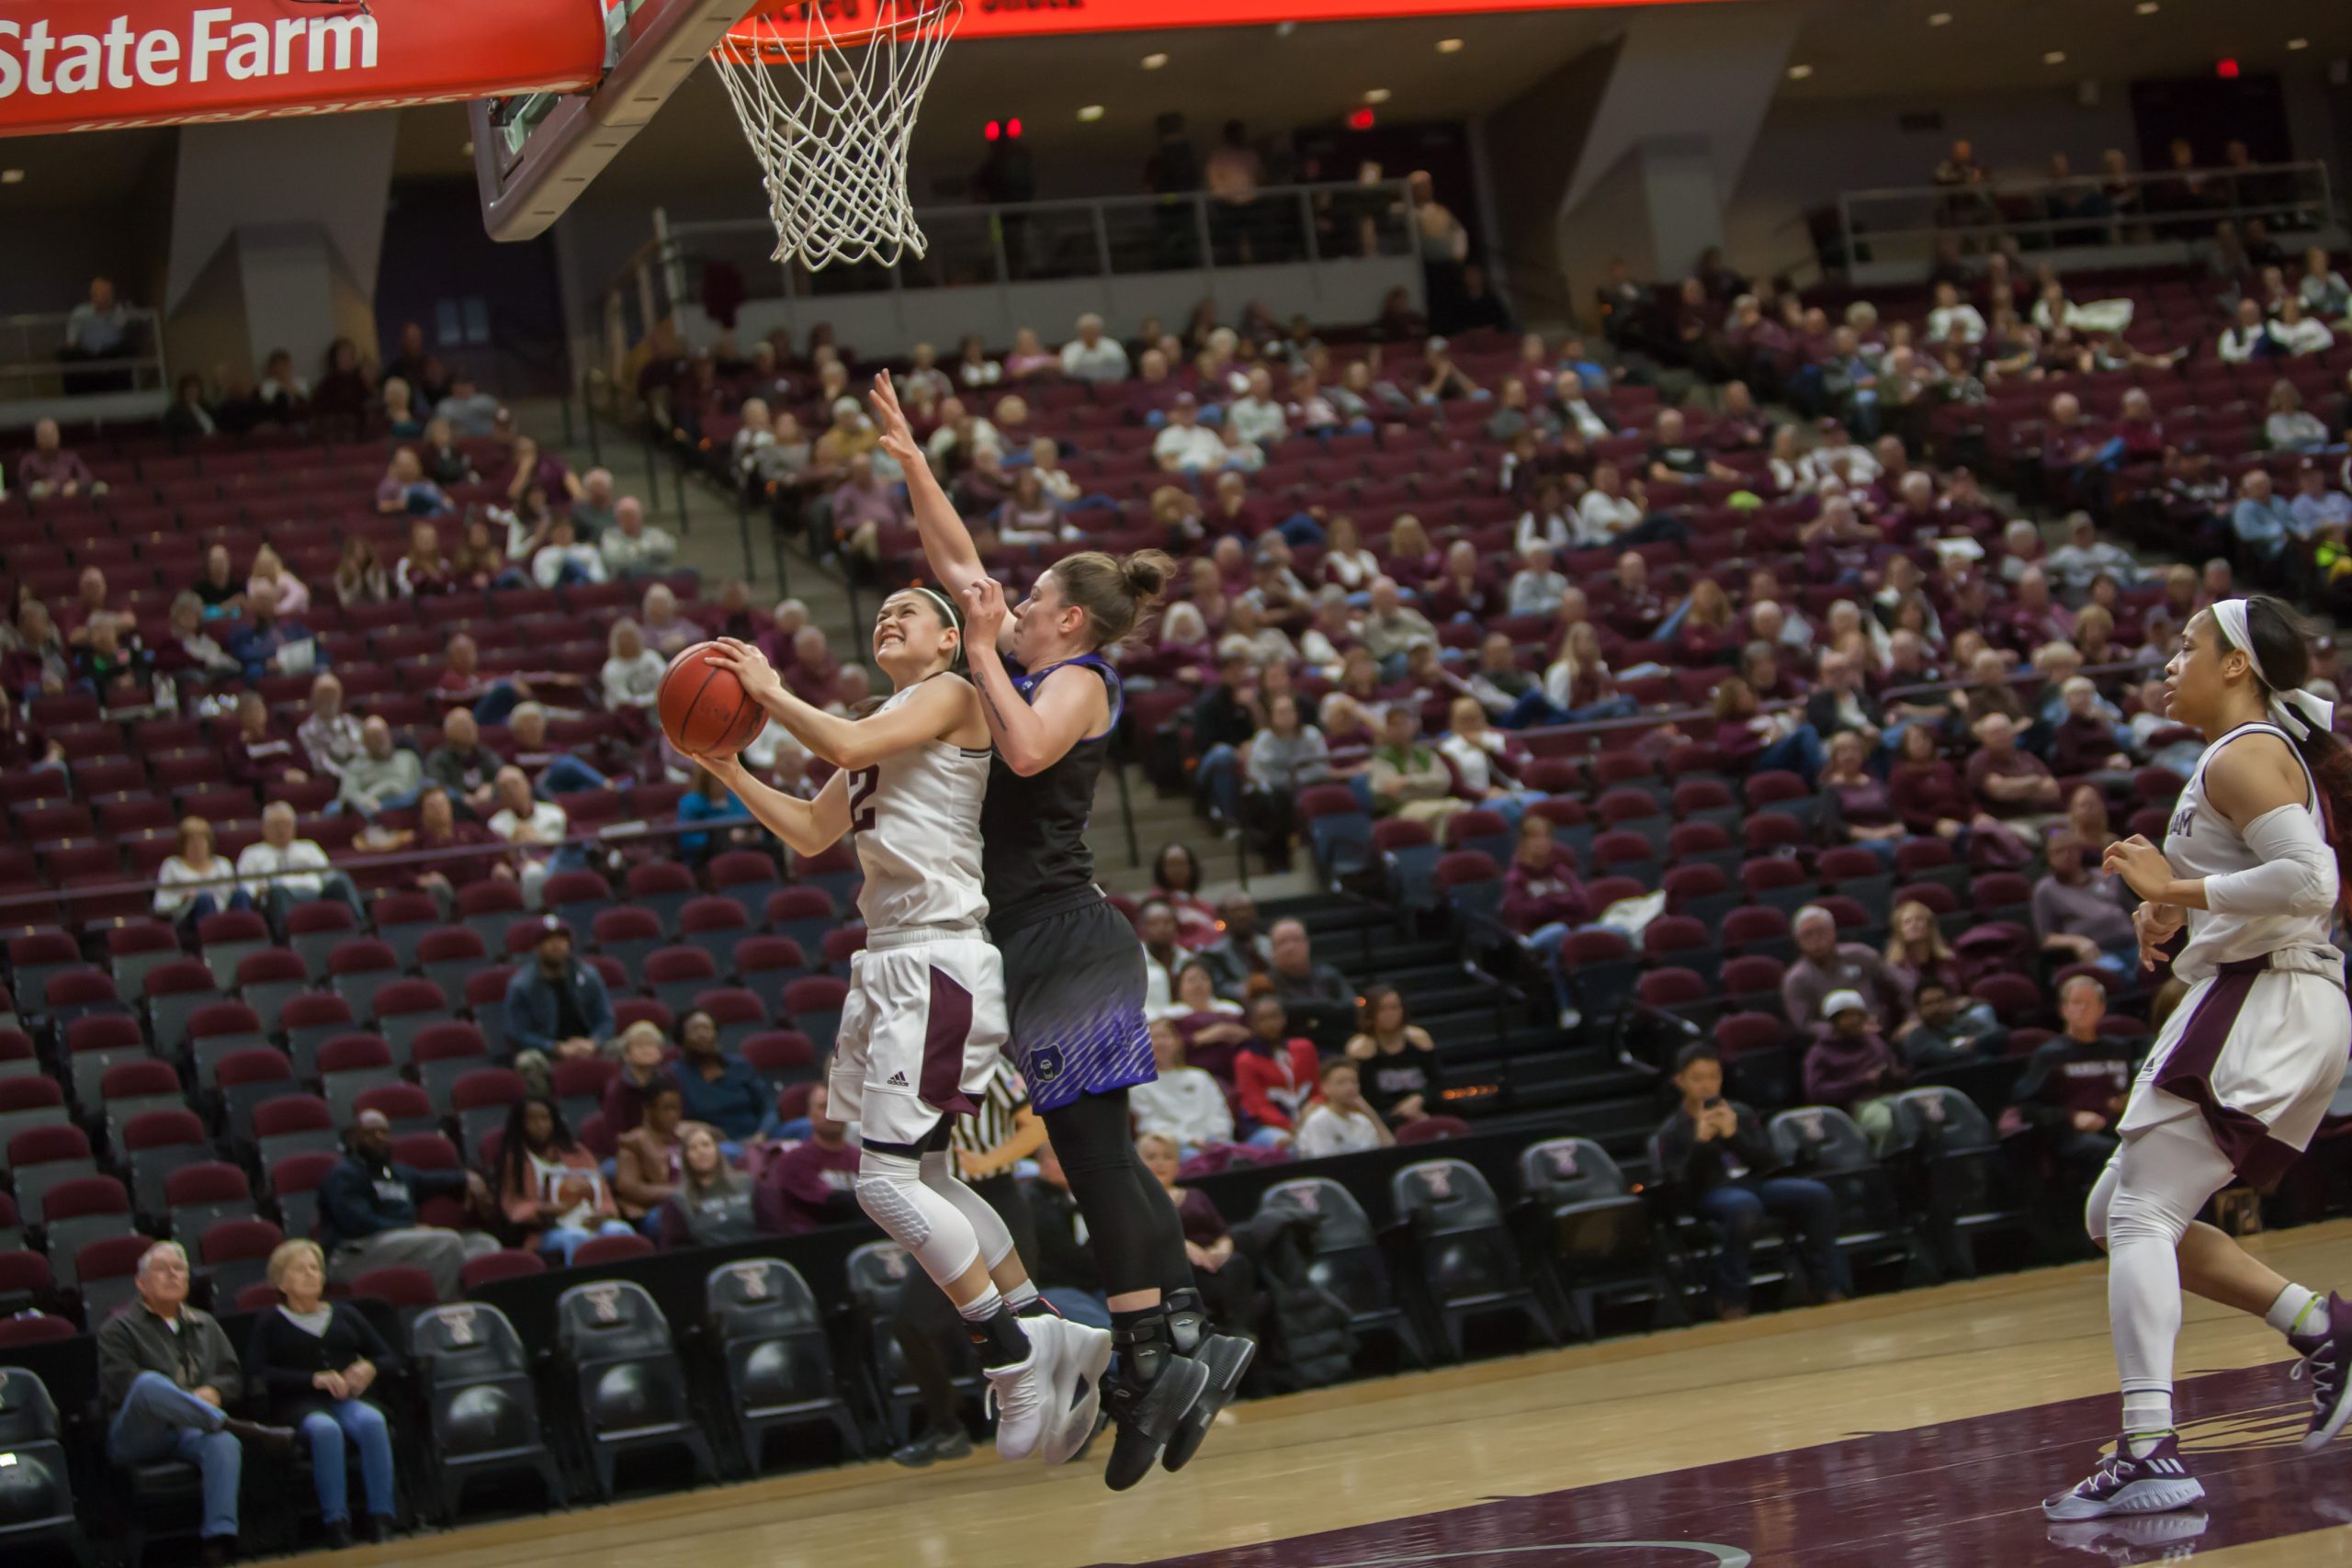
[1717, 1156]
[164, 1372]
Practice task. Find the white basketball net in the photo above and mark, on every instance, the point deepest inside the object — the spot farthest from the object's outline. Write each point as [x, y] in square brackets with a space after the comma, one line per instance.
[830, 119]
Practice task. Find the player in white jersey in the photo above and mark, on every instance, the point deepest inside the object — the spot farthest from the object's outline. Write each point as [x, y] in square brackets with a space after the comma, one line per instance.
[925, 1022]
[2252, 868]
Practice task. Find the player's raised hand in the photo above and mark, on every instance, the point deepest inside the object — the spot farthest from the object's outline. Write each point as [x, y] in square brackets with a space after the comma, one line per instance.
[984, 612]
[747, 665]
[898, 435]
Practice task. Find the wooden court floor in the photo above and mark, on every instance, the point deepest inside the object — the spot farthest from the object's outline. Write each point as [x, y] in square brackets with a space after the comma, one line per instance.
[1794, 1438]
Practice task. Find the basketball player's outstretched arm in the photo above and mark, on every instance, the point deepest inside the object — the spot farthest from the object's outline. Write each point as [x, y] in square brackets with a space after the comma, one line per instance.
[809, 827]
[946, 543]
[2258, 785]
[936, 711]
[1032, 736]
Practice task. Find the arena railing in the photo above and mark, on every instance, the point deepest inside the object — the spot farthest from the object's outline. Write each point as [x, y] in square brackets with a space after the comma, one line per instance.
[1331, 250]
[1902, 226]
[37, 381]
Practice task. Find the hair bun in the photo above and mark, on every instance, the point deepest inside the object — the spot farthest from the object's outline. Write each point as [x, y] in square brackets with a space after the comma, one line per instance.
[1146, 573]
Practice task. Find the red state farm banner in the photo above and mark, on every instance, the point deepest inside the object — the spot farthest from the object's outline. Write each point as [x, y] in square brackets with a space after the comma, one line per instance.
[1021, 18]
[101, 64]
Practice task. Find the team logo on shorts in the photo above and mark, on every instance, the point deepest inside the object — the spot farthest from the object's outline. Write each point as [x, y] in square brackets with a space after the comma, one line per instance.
[1045, 1063]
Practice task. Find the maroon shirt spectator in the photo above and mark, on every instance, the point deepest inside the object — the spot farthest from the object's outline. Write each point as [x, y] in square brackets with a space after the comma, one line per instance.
[1541, 889]
[1844, 1068]
[2009, 781]
[1929, 795]
[259, 753]
[810, 1184]
[439, 828]
[812, 675]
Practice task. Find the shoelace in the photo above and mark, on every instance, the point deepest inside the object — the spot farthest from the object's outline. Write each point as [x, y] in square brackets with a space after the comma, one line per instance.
[2324, 1373]
[2111, 1473]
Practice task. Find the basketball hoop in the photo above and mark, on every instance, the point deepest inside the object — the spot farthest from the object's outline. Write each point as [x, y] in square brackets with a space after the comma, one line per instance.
[829, 115]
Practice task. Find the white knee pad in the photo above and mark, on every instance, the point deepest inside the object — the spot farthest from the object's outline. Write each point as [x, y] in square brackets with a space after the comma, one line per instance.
[939, 1175]
[933, 1231]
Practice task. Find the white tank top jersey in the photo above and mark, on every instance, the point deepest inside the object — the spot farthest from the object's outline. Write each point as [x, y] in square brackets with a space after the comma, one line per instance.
[916, 820]
[2202, 843]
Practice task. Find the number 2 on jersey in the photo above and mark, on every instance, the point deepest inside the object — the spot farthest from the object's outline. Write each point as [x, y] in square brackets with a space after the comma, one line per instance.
[862, 785]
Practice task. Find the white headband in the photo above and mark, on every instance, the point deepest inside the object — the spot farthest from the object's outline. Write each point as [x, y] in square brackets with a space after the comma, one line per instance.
[2297, 712]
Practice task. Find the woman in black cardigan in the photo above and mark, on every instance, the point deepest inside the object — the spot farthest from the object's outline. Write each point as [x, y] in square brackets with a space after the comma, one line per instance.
[316, 1360]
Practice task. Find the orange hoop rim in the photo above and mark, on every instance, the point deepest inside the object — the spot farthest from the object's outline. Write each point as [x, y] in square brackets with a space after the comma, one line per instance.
[795, 32]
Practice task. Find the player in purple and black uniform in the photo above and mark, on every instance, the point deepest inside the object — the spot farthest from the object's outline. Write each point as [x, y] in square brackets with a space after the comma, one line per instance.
[1073, 971]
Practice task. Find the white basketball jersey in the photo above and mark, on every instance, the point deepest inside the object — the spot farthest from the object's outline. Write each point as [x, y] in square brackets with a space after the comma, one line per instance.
[2202, 843]
[916, 819]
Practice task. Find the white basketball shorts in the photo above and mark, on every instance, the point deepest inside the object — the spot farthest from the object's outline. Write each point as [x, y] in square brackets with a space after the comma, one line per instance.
[921, 1031]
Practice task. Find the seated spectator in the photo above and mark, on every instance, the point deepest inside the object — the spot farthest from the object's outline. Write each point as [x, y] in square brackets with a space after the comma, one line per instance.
[437, 827]
[1716, 1155]
[2085, 556]
[1183, 443]
[382, 777]
[166, 1373]
[810, 1184]
[550, 1186]
[632, 673]
[2299, 333]
[556, 1008]
[2315, 507]
[2014, 785]
[1856, 808]
[1243, 951]
[667, 632]
[1212, 1027]
[2249, 337]
[330, 736]
[272, 590]
[552, 771]
[1673, 457]
[645, 1170]
[1340, 1122]
[190, 417]
[1826, 967]
[424, 571]
[316, 1360]
[470, 411]
[2087, 740]
[537, 827]
[644, 1067]
[1274, 1073]
[2084, 913]
[1946, 1032]
[864, 505]
[1753, 741]
[1852, 1069]
[367, 1211]
[1184, 1104]
[1543, 898]
[463, 765]
[1090, 355]
[1408, 779]
[1578, 685]
[2291, 427]
[1176, 881]
[1488, 763]
[405, 490]
[1156, 924]
[631, 547]
[1257, 416]
[443, 461]
[1397, 1059]
[257, 754]
[53, 470]
[2073, 1087]
[1228, 1281]
[563, 560]
[194, 882]
[718, 1088]
[1916, 948]
[712, 1205]
[218, 589]
[280, 870]
[479, 563]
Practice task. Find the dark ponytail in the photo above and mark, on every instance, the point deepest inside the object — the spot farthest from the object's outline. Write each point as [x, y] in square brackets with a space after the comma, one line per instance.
[2282, 644]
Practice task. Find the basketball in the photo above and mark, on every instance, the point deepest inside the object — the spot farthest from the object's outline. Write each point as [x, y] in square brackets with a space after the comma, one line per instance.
[705, 710]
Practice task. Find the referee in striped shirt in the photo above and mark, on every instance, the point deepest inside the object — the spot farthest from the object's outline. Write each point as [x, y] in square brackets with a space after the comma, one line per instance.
[1001, 1133]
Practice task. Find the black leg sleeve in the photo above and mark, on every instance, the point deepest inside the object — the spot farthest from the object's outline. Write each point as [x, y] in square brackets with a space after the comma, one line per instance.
[1127, 1228]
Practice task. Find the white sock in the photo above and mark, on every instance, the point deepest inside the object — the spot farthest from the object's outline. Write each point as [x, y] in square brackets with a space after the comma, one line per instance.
[982, 1307]
[2287, 1314]
[2147, 1417]
[1022, 1296]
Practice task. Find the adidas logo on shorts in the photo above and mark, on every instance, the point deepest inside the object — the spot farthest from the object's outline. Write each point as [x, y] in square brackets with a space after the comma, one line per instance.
[898, 1080]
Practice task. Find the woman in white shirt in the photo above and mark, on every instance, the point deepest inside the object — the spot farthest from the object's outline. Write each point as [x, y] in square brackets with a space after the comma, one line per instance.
[2301, 334]
[2291, 427]
[1184, 1104]
[1954, 320]
[632, 671]
[973, 366]
[1342, 1123]
[1345, 560]
[274, 587]
[195, 882]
